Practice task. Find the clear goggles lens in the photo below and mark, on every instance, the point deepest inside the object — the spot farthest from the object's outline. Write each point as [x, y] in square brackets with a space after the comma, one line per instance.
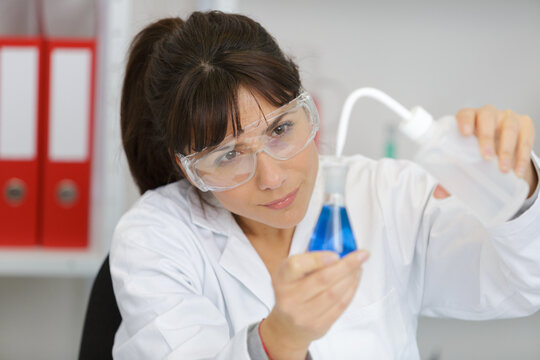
[282, 135]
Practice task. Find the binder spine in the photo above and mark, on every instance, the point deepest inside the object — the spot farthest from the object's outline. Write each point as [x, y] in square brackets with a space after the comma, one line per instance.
[20, 60]
[66, 144]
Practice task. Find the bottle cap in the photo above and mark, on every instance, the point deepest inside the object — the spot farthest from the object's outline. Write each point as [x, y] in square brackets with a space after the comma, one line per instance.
[418, 124]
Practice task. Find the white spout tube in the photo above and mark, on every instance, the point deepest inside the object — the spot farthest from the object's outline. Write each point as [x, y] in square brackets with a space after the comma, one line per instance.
[401, 111]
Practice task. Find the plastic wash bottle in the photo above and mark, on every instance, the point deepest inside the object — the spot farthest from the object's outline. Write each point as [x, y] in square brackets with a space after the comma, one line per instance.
[456, 162]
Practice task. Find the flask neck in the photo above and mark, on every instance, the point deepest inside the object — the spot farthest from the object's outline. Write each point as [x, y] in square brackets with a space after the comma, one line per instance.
[334, 199]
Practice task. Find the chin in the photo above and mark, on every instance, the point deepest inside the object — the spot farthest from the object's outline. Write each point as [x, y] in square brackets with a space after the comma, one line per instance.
[288, 224]
[288, 218]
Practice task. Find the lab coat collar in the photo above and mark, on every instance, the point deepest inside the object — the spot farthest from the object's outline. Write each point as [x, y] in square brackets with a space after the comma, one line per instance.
[212, 216]
[239, 258]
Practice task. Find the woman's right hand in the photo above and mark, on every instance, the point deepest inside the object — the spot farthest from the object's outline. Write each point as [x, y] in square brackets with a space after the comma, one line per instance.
[311, 290]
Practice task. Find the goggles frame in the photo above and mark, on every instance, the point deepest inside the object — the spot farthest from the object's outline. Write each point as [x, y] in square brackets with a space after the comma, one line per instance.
[189, 162]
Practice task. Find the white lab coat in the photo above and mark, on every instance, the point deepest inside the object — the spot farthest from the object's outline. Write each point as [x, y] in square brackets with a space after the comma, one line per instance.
[188, 282]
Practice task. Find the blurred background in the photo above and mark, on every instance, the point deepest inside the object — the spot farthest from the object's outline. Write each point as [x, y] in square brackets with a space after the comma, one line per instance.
[441, 55]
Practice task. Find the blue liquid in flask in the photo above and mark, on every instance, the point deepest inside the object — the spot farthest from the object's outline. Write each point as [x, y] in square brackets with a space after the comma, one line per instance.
[333, 231]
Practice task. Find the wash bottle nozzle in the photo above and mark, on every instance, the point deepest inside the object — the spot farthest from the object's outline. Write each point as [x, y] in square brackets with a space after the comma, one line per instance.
[454, 160]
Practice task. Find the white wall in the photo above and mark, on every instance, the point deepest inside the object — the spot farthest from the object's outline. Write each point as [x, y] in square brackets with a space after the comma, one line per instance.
[442, 55]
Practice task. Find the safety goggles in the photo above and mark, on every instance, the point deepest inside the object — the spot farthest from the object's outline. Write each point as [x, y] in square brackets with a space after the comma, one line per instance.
[281, 134]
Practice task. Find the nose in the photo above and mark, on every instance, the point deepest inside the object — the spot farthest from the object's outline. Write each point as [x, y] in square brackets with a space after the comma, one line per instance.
[269, 174]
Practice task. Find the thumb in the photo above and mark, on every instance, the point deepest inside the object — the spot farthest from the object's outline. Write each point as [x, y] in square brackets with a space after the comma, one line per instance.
[440, 193]
[297, 266]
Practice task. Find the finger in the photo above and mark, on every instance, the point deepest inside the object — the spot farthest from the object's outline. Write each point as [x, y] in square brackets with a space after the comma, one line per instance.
[508, 133]
[440, 193]
[525, 145]
[297, 266]
[466, 121]
[324, 279]
[331, 314]
[326, 299]
[486, 127]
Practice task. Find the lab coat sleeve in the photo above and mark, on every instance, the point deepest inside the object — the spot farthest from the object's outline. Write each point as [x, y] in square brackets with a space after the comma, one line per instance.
[157, 276]
[474, 273]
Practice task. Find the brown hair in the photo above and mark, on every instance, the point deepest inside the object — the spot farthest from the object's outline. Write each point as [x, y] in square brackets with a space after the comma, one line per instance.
[181, 84]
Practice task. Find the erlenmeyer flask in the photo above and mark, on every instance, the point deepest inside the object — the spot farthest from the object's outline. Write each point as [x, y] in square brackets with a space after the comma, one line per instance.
[333, 230]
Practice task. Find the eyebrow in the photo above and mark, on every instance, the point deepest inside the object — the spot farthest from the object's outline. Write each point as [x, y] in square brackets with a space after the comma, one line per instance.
[276, 121]
[272, 124]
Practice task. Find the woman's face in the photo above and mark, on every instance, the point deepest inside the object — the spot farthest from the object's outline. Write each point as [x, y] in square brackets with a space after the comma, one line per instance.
[279, 192]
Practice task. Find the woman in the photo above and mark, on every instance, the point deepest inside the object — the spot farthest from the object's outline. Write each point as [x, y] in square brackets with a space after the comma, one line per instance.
[219, 137]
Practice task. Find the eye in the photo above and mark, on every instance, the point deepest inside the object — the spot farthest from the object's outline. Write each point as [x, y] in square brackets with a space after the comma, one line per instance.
[227, 158]
[230, 155]
[282, 128]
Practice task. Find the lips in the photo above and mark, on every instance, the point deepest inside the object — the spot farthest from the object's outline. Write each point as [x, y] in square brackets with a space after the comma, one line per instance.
[283, 202]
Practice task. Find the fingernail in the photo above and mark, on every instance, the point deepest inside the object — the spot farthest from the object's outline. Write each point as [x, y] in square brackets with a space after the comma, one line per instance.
[467, 129]
[520, 172]
[489, 152]
[505, 165]
[363, 256]
[330, 258]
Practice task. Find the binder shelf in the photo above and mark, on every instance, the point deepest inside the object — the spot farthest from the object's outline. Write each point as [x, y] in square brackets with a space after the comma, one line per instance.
[42, 144]
[43, 262]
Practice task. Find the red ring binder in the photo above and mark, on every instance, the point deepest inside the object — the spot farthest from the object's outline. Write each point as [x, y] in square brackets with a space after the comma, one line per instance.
[68, 116]
[20, 59]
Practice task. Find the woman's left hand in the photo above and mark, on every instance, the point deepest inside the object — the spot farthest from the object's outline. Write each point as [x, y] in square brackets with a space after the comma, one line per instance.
[506, 134]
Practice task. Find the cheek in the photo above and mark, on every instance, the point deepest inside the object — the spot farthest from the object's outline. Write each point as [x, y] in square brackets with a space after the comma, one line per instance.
[302, 167]
[233, 200]
[310, 161]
